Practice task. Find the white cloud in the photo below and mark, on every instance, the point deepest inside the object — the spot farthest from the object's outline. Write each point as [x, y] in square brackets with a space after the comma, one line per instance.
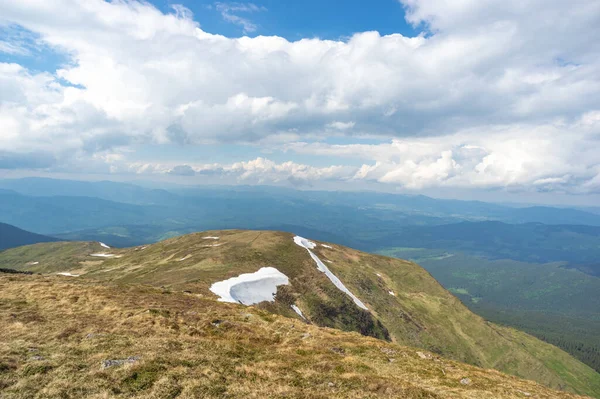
[230, 11]
[340, 125]
[499, 93]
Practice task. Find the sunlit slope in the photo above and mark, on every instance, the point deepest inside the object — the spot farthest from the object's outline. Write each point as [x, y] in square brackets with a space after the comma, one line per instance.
[75, 338]
[405, 304]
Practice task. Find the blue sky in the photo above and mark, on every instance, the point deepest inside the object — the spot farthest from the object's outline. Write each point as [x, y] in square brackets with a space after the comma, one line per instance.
[295, 19]
[465, 99]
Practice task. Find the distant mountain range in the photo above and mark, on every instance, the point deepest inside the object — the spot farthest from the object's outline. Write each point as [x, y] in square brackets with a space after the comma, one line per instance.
[11, 236]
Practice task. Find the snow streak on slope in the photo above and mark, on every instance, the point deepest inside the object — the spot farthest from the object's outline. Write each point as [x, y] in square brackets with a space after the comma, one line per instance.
[303, 242]
[104, 245]
[297, 310]
[250, 288]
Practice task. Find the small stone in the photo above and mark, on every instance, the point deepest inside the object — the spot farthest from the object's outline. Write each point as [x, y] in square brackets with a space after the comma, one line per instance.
[330, 384]
[388, 351]
[306, 335]
[94, 335]
[37, 358]
[392, 360]
[465, 381]
[424, 355]
[108, 363]
[524, 393]
[338, 350]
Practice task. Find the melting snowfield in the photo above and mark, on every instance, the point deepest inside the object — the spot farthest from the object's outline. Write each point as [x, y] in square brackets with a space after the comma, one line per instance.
[250, 288]
[303, 242]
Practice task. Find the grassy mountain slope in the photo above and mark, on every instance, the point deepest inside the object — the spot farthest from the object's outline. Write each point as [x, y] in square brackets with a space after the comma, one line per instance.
[419, 313]
[11, 236]
[72, 338]
[559, 305]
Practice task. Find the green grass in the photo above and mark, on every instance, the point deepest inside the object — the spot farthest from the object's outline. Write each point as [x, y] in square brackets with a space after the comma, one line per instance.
[558, 305]
[420, 314]
[180, 353]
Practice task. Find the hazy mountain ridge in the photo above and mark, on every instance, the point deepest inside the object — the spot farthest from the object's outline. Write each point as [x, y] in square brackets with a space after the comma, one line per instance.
[11, 236]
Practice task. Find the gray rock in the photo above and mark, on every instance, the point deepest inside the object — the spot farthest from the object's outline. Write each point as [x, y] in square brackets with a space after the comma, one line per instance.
[465, 381]
[338, 350]
[108, 363]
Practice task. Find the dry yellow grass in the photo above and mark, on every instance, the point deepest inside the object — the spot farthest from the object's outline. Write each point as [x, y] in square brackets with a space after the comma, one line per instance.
[56, 332]
[421, 313]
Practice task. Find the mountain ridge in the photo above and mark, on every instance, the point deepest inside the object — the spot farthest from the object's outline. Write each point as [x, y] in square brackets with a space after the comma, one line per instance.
[403, 300]
[12, 236]
[83, 338]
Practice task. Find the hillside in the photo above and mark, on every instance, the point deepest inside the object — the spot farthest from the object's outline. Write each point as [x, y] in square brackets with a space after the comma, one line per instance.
[73, 338]
[11, 236]
[404, 303]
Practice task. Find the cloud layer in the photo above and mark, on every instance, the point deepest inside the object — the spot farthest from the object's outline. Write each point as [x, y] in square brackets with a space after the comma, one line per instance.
[492, 94]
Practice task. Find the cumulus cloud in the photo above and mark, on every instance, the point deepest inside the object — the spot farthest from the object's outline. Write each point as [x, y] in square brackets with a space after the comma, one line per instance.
[496, 93]
[182, 170]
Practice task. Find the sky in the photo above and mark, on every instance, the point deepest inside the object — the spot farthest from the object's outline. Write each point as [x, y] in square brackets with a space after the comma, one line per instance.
[472, 99]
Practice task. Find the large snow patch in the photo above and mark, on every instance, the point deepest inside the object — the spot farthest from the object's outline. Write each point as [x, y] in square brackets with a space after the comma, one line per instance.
[303, 242]
[250, 288]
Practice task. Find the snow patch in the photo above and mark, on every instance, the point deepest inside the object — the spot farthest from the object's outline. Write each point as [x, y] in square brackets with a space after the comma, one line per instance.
[297, 310]
[103, 255]
[210, 238]
[250, 288]
[378, 275]
[67, 274]
[328, 261]
[327, 246]
[391, 293]
[104, 245]
[185, 258]
[212, 245]
[33, 263]
[303, 242]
